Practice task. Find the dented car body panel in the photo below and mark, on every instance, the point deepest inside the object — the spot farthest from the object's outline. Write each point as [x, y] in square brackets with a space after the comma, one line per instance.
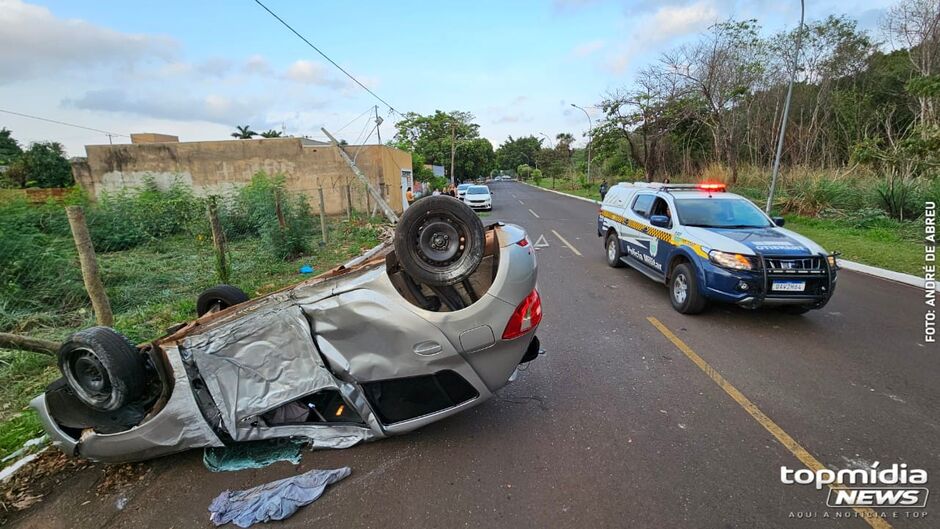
[339, 359]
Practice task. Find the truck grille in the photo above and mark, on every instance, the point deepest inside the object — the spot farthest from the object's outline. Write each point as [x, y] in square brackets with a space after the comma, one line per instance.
[794, 265]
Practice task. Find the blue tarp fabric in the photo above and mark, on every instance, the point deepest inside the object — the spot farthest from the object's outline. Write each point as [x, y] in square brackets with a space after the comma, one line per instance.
[253, 454]
[272, 501]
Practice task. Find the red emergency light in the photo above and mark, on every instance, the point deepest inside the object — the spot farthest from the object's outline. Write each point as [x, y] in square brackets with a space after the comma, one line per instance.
[711, 186]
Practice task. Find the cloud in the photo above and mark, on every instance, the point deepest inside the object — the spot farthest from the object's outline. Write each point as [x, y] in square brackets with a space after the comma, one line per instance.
[666, 23]
[309, 72]
[257, 64]
[587, 48]
[211, 108]
[34, 42]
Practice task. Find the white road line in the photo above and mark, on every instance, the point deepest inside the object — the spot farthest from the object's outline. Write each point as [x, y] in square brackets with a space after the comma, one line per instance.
[536, 215]
[568, 244]
[521, 202]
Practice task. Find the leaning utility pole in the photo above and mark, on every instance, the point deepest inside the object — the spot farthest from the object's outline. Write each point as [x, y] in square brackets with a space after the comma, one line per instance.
[786, 111]
[389, 212]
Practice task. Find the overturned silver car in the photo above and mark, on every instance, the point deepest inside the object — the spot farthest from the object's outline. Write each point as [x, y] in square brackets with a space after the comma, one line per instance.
[424, 328]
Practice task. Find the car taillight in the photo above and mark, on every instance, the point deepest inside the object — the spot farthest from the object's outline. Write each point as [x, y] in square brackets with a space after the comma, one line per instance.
[525, 318]
[524, 242]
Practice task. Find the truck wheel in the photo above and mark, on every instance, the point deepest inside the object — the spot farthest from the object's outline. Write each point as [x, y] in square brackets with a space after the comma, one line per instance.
[219, 297]
[103, 368]
[684, 291]
[439, 241]
[613, 251]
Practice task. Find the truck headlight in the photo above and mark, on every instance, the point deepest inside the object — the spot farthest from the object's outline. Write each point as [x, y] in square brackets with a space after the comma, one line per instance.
[833, 263]
[734, 261]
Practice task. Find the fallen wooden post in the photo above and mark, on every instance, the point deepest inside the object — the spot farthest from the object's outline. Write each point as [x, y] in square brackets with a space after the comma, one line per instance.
[25, 343]
[386, 209]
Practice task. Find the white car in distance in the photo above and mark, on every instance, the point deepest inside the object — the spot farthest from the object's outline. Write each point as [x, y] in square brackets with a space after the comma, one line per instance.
[478, 197]
[462, 190]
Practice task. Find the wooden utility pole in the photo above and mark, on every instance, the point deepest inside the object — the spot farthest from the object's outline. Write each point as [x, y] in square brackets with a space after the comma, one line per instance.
[386, 209]
[322, 215]
[453, 150]
[218, 240]
[89, 264]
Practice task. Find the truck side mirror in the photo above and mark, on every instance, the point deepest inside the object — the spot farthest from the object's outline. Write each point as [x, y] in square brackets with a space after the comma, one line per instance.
[779, 221]
[660, 221]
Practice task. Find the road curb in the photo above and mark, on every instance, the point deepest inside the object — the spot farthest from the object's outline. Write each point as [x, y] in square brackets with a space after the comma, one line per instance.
[881, 273]
[889, 275]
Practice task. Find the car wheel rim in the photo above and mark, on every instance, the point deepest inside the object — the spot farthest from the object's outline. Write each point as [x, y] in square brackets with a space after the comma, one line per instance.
[611, 250]
[89, 376]
[440, 242]
[680, 289]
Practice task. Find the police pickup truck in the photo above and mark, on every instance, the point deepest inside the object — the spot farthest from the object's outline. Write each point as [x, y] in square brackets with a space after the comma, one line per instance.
[707, 244]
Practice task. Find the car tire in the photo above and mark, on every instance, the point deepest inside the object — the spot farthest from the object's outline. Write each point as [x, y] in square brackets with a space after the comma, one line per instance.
[612, 247]
[218, 298]
[102, 368]
[684, 291]
[439, 241]
[795, 310]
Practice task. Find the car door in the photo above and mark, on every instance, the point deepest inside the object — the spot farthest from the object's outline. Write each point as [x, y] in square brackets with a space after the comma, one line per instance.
[660, 246]
[633, 232]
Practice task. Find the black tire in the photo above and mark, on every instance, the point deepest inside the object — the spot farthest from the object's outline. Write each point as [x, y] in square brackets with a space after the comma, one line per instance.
[102, 368]
[796, 310]
[219, 297]
[439, 241]
[612, 245]
[692, 302]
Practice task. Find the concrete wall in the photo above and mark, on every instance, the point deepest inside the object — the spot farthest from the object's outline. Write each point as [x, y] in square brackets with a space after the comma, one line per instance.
[221, 167]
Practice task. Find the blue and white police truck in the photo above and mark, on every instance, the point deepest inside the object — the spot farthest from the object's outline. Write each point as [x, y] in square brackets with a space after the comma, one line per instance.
[706, 244]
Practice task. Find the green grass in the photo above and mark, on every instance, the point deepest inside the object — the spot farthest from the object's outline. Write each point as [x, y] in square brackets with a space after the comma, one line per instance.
[152, 287]
[883, 243]
[570, 188]
[893, 245]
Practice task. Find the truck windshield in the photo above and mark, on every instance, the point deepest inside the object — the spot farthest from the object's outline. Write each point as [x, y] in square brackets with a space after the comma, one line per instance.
[720, 213]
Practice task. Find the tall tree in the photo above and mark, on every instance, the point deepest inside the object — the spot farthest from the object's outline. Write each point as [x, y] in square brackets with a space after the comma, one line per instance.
[244, 132]
[518, 151]
[433, 136]
[41, 165]
[915, 25]
[9, 147]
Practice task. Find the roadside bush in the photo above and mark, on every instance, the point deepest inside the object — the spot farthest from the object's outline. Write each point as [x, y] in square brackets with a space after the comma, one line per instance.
[127, 219]
[253, 212]
[900, 197]
[37, 269]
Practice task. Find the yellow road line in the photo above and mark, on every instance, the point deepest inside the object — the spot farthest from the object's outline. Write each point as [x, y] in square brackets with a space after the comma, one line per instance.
[568, 244]
[867, 514]
[536, 215]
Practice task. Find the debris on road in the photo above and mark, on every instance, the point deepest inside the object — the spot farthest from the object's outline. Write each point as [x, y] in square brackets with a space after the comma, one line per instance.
[272, 501]
[33, 482]
[256, 454]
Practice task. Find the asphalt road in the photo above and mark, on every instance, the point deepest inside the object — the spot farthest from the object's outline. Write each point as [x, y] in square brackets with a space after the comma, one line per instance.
[617, 426]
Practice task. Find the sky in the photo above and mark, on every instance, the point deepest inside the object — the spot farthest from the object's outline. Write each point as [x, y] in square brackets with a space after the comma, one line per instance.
[198, 69]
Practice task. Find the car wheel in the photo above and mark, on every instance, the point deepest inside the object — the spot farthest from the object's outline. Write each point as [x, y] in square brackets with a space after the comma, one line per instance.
[102, 368]
[795, 310]
[613, 251]
[684, 291]
[218, 298]
[439, 241]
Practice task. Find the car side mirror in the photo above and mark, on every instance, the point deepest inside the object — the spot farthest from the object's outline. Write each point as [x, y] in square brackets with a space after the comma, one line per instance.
[660, 221]
[779, 221]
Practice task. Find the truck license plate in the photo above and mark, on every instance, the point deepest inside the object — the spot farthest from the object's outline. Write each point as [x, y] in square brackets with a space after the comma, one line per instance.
[789, 286]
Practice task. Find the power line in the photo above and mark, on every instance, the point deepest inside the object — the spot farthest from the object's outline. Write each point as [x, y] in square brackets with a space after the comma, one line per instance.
[109, 133]
[294, 31]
